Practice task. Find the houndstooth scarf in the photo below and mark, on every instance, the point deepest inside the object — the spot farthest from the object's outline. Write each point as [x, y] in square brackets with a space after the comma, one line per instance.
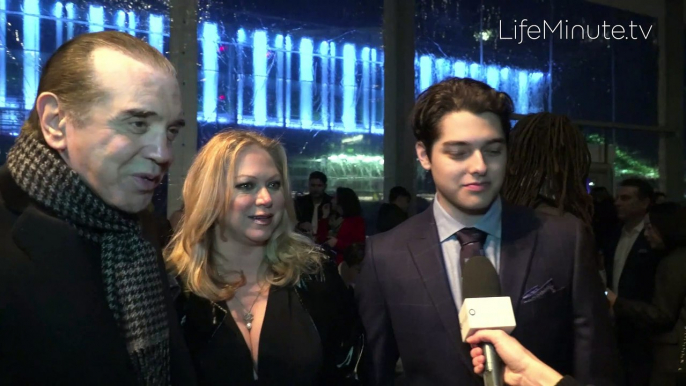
[131, 274]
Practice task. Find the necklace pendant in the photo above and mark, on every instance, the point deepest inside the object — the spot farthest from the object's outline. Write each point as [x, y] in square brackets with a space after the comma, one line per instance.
[248, 326]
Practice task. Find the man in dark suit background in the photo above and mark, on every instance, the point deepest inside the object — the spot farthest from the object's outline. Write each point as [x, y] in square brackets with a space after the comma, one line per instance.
[308, 208]
[409, 291]
[630, 266]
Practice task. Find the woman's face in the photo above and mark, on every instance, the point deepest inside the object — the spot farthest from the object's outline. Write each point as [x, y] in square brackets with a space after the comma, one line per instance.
[258, 202]
[652, 235]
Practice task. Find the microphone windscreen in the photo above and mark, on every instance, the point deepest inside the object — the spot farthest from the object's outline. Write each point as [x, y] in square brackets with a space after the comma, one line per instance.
[480, 279]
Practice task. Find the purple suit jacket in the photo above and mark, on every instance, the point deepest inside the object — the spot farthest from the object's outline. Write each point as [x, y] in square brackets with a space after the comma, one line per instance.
[408, 310]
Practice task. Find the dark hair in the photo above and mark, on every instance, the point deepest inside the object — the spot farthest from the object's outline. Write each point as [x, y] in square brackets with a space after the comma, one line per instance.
[349, 202]
[645, 190]
[669, 220]
[454, 95]
[548, 160]
[398, 191]
[319, 176]
[69, 72]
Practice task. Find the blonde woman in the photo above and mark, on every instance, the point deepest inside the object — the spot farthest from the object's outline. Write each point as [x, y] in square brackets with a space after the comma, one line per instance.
[262, 307]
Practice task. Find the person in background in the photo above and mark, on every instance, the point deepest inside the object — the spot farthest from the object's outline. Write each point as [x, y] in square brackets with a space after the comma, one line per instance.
[308, 208]
[659, 198]
[665, 316]
[522, 368]
[342, 223]
[352, 261]
[84, 298]
[395, 210]
[548, 162]
[264, 306]
[630, 266]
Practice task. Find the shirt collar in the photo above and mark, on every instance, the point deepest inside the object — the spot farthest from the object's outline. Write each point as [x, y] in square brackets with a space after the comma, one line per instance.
[448, 225]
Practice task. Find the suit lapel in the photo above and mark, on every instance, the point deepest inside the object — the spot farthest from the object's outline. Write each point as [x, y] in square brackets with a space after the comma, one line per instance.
[428, 257]
[519, 234]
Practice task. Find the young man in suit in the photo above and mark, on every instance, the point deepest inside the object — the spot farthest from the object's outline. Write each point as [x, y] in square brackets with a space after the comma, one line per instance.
[631, 266]
[84, 297]
[409, 290]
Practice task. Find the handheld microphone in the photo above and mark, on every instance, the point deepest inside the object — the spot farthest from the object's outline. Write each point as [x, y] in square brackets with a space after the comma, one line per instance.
[484, 308]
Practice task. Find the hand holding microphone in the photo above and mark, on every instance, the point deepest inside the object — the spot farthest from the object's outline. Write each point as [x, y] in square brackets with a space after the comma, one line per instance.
[522, 368]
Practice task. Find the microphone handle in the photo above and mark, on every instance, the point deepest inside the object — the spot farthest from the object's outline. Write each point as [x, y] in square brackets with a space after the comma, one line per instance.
[493, 367]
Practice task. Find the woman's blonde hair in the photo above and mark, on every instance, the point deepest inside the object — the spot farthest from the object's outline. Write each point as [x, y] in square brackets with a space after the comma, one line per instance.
[207, 196]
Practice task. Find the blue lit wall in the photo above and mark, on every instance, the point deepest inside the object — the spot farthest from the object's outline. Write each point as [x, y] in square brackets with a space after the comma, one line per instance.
[272, 80]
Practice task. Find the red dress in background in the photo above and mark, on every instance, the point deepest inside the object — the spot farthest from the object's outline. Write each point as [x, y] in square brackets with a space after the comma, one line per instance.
[352, 230]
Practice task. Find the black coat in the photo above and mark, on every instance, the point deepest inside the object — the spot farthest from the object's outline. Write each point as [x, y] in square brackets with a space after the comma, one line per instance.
[56, 327]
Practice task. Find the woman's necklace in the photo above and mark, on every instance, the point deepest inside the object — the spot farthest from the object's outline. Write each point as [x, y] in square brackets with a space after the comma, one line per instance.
[248, 316]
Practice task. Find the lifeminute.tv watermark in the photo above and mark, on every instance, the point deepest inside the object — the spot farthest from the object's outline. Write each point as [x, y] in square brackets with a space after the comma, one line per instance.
[521, 30]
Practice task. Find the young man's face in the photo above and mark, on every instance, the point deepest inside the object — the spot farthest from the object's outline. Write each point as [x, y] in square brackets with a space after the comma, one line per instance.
[467, 161]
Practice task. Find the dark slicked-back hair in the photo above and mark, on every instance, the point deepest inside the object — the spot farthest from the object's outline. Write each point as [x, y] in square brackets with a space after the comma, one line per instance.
[69, 72]
[454, 95]
[548, 154]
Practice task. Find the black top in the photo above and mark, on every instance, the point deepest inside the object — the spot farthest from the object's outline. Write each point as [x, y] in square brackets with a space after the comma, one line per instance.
[310, 335]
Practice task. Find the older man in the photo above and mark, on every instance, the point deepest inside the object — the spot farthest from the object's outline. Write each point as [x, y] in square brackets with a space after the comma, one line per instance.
[83, 294]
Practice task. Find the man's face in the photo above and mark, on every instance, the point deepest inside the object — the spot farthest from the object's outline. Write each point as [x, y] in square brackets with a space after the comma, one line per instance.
[629, 205]
[467, 161]
[317, 187]
[123, 146]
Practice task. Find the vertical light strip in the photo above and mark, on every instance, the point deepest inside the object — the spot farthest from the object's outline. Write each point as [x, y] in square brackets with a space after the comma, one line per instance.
[71, 16]
[156, 32]
[306, 82]
[424, 72]
[536, 92]
[96, 18]
[324, 97]
[475, 71]
[523, 93]
[366, 89]
[374, 94]
[289, 57]
[120, 21]
[240, 39]
[440, 72]
[58, 13]
[210, 70]
[349, 113]
[133, 23]
[332, 82]
[259, 64]
[278, 45]
[31, 51]
[460, 69]
[3, 57]
[493, 77]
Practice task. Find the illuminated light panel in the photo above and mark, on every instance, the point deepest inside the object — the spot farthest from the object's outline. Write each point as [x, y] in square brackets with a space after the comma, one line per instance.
[366, 87]
[522, 92]
[535, 92]
[374, 93]
[278, 45]
[460, 69]
[57, 12]
[493, 77]
[475, 71]
[425, 76]
[332, 80]
[3, 58]
[259, 63]
[241, 38]
[156, 32]
[349, 105]
[306, 82]
[96, 18]
[71, 15]
[289, 55]
[133, 24]
[210, 68]
[120, 21]
[324, 52]
[31, 55]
